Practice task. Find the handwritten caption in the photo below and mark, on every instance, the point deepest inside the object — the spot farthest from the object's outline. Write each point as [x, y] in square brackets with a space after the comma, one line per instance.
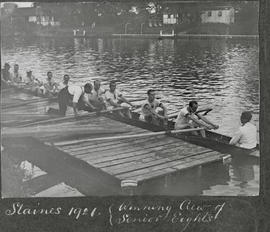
[184, 213]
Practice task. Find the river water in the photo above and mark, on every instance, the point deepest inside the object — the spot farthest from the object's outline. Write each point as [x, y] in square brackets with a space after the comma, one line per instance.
[218, 73]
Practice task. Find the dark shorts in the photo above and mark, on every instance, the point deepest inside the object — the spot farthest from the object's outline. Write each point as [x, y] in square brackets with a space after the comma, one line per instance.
[64, 100]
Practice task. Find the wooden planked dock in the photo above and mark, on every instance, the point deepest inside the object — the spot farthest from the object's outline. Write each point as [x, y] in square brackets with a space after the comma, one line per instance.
[137, 159]
[142, 159]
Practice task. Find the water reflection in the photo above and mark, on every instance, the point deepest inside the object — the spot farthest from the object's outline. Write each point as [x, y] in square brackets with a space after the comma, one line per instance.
[223, 74]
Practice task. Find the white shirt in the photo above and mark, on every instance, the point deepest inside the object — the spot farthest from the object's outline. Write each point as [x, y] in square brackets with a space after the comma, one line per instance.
[247, 136]
[97, 94]
[76, 91]
[182, 118]
[152, 105]
[88, 97]
[61, 85]
[115, 97]
[16, 77]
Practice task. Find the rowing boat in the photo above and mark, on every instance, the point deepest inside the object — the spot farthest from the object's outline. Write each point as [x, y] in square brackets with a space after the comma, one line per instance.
[213, 140]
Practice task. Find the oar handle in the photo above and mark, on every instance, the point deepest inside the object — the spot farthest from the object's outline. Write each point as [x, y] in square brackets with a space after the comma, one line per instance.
[206, 111]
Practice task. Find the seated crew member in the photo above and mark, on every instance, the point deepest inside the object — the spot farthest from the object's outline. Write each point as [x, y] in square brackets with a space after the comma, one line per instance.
[187, 119]
[33, 83]
[72, 95]
[89, 99]
[149, 110]
[97, 96]
[5, 76]
[115, 99]
[16, 76]
[49, 88]
[246, 136]
[64, 83]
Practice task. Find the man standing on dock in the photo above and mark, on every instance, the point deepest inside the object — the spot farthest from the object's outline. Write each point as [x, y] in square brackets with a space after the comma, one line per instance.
[73, 94]
[187, 119]
[149, 110]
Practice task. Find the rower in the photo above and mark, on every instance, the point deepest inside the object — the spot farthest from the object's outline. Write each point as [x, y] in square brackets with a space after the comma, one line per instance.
[97, 96]
[64, 83]
[75, 94]
[150, 111]
[5, 76]
[89, 99]
[115, 99]
[16, 76]
[246, 136]
[32, 82]
[187, 119]
[49, 88]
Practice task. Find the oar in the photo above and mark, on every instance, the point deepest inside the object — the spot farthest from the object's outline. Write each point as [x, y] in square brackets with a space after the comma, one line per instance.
[24, 115]
[13, 132]
[63, 119]
[28, 102]
[206, 111]
[128, 136]
[137, 99]
[43, 99]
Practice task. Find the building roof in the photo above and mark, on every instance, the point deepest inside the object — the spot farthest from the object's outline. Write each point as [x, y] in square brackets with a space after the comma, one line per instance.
[209, 8]
[25, 11]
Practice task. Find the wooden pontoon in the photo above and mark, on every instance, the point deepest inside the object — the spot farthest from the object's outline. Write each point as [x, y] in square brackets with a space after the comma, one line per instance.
[137, 159]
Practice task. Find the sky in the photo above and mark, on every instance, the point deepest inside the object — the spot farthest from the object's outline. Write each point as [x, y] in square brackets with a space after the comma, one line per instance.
[21, 4]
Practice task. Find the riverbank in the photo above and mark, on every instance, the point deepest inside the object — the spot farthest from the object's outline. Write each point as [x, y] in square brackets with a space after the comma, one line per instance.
[141, 36]
[188, 36]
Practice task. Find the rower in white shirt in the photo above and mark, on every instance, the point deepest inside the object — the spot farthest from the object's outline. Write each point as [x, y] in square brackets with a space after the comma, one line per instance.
[150, 110]
[115, 98]
[189, 118]
[64, 83]
[97, 96]
[246, 136]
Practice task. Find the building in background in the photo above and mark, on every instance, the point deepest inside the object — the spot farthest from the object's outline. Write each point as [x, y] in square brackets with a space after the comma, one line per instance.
[218, 15]
[106, 18]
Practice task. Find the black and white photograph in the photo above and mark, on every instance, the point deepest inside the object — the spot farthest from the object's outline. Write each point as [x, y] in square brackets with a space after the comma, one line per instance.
[130, 99]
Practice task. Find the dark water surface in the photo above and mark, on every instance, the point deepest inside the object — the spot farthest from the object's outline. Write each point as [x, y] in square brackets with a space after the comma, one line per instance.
[221, 74]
